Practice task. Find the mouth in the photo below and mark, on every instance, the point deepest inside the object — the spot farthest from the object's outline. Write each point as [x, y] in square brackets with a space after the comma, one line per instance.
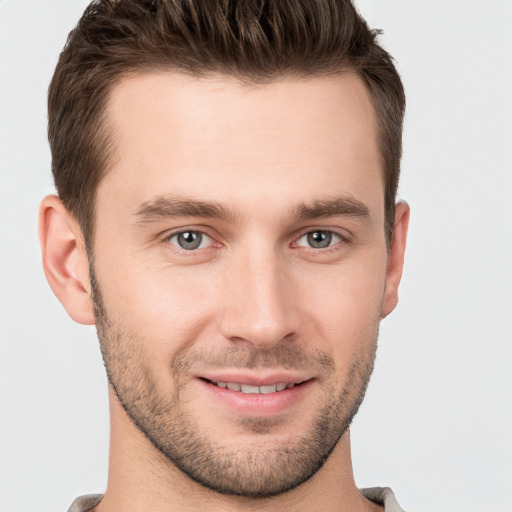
[252, 397]
[251, 389]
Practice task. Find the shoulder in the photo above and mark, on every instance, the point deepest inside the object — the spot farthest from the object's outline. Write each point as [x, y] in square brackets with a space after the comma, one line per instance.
[383, 496]
[85, 503]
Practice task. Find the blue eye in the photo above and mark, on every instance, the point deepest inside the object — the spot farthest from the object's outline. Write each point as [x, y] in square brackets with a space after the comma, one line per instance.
[190, 240]
[319, 239]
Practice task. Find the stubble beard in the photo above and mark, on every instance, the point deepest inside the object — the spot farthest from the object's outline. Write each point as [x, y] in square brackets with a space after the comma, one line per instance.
[252, 471]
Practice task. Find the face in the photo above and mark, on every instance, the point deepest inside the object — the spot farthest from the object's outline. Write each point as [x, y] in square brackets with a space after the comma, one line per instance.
[240, 271]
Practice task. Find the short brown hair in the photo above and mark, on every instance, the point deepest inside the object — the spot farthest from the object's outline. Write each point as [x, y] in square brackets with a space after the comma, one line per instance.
[252, 40]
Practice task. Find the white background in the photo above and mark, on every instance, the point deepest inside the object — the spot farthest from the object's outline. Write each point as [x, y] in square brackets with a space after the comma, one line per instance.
[437, 421]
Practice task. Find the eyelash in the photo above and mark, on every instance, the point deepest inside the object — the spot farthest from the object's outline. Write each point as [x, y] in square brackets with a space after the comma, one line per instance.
[191, 252]
[322, 250]
[341, 239]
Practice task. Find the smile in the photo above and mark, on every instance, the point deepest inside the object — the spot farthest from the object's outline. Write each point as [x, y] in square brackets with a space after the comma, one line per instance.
[257, 396]
[250, 389]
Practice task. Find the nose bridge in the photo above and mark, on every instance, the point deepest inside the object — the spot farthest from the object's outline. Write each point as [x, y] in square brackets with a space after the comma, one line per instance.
[259, 305]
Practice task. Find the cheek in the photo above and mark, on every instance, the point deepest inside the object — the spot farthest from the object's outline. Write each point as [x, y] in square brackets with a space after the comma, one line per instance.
[344, 305]
[165, 306]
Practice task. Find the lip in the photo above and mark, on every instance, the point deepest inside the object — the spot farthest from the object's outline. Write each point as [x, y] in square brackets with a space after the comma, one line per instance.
[260, 379]
[255, 404]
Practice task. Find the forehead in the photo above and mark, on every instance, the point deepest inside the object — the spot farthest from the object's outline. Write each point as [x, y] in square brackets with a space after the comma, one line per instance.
[285, 141]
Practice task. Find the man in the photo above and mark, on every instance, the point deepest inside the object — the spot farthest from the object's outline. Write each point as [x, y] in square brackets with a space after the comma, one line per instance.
[227, 175]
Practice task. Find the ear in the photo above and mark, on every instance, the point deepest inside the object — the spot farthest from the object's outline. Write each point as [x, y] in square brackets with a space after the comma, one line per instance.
[396, 258]
[65, 259]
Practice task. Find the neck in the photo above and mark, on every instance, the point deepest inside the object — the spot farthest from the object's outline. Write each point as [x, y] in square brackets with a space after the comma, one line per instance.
[141, 478]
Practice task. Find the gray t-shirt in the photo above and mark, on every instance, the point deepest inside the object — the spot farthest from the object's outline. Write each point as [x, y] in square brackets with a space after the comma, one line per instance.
[380, 495]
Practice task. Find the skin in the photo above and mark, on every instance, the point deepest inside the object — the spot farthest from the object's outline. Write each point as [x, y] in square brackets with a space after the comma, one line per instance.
[253, 301]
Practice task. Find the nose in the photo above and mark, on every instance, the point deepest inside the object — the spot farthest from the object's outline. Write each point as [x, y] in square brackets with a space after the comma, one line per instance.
[260, 306]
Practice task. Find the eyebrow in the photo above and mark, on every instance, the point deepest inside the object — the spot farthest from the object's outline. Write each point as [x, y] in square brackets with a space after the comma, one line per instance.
[338, 206]
[164, 207]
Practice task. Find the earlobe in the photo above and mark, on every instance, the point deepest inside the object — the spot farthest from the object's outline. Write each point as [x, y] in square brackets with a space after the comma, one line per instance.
[65, 259]
[396, 258]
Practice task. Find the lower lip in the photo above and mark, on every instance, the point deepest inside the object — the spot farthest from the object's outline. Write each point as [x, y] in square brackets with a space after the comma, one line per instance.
[258, 404]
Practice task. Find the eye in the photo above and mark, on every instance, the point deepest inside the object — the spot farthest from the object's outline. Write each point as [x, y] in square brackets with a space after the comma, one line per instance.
[190, 240]
[319, 239]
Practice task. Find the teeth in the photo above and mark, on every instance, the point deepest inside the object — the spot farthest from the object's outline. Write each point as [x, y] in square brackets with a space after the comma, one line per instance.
[249, 389]
[246, 388]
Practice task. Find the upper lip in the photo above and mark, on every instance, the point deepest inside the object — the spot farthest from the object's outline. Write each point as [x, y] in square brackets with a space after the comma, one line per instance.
[269, 378]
